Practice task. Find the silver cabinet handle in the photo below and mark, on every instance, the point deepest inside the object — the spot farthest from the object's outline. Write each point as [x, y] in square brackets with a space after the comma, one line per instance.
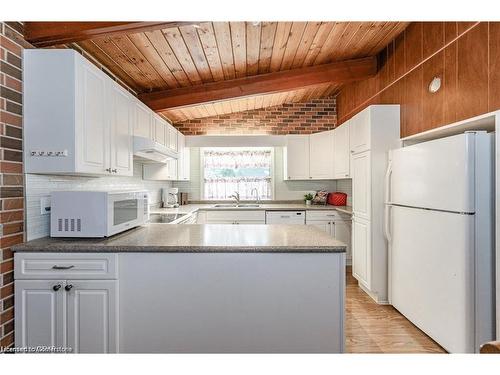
[55, 288]
[114, 170]
[108, 170]
[56, 267]
[68, 287]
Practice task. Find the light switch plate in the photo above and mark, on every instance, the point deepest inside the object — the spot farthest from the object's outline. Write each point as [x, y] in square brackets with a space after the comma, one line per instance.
[45, 205]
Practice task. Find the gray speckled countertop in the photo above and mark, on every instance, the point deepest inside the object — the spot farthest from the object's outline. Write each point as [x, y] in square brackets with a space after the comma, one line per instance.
[199, 238]
[193, 207]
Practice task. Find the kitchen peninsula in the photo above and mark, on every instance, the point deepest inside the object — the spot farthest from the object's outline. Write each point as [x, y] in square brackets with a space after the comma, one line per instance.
[185, 289]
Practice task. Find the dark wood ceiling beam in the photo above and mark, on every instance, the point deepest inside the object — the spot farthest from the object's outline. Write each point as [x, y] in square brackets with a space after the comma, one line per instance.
[334, 73]
[45, 34]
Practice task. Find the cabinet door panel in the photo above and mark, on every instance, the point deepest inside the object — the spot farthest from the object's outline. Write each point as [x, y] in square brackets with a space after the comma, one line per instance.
[361, 184]
[142, 121]
[93, 316]
[324, 226]
[121, 132]
[361, 251]
[93, 138]
[40, 313]
[342, 231]
[172, 137]
[321, 155]
[360, 132]
[297, 157]
[160, 130]
[341, 151]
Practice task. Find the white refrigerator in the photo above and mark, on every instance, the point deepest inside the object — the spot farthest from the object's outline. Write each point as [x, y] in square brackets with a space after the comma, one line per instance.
[439, 224]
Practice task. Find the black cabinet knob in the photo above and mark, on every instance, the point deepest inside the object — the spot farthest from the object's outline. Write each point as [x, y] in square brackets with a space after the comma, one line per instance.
[55, 288]
[68, 287]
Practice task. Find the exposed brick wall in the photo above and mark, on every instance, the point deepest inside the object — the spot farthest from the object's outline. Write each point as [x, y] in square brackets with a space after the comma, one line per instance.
[294, 118]
[11, 169]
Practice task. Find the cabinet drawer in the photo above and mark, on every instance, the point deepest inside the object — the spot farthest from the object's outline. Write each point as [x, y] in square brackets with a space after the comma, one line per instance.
[234, 215]
[323, 215]
[48, 266]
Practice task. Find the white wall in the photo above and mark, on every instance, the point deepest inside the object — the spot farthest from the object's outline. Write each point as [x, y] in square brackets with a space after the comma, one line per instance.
[37, 186]
[283, 190]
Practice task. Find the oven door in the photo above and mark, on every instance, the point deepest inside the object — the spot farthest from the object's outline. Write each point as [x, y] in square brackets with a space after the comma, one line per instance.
[125, 211]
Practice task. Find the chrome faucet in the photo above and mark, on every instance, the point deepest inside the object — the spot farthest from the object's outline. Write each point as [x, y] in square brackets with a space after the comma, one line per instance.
[236, 197]
[257, 198]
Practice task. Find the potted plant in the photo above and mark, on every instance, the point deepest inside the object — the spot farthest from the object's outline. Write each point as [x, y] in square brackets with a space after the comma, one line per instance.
[308, 197]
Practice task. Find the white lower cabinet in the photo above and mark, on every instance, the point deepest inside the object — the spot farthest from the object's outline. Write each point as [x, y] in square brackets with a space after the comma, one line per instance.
[40, 313]
[79, 313]
[235, 217]
[92, 311]
[333, 223]
[361, 251]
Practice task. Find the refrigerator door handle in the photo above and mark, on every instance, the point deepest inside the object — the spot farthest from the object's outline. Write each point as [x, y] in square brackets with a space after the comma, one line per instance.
[387, 208]
[387, 223]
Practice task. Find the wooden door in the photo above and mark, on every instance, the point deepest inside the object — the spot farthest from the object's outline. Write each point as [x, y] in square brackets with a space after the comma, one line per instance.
[321, 155]
[40, 313]
[297, 157]
[92, 316]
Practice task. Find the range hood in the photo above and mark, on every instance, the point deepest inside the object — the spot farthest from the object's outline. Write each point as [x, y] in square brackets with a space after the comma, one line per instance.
[149, 151]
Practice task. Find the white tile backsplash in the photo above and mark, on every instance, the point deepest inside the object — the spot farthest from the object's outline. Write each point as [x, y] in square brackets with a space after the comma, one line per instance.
[283, 190]
[345, 186]
[38, 186]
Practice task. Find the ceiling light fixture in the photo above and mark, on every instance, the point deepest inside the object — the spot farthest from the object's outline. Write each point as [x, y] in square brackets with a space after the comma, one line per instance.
[435, 85]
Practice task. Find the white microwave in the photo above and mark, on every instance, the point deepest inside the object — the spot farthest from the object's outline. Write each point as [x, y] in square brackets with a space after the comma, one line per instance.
[96, 213]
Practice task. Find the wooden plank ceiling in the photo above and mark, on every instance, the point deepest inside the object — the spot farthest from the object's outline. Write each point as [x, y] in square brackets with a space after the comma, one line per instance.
[199, 53]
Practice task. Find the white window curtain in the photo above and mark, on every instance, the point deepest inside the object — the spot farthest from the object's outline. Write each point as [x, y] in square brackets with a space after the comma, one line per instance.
[228, 171]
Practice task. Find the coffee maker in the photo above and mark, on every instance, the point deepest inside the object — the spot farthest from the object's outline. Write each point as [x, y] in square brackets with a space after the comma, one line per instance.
[170, 197]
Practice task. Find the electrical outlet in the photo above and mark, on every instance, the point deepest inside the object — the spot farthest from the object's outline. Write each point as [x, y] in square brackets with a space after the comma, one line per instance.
[45, 205]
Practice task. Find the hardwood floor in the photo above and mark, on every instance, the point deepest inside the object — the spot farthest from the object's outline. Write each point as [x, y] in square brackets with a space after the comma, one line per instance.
[373, 328]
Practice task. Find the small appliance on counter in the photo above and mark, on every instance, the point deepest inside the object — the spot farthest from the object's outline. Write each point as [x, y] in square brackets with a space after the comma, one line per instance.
[184, 199]
[96, 213]
[337, 199]
[170, 197]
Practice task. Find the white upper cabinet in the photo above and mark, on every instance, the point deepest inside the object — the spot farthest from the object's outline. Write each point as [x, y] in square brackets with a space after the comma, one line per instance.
[321, 155]
[360, 132]
[341, 151]
[91, 128]
[143, 121]
[121, 116]
[172, 137]
[297, 157]
[184, 161]
[77, 120]
[160, 130]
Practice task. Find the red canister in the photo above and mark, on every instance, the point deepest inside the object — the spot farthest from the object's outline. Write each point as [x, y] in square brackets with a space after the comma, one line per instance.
[337, 199]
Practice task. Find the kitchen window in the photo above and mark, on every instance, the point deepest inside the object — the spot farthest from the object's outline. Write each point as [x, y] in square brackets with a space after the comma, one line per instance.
[229, 170]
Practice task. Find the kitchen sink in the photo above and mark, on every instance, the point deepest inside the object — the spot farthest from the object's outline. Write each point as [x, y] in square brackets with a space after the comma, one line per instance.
[243, 205]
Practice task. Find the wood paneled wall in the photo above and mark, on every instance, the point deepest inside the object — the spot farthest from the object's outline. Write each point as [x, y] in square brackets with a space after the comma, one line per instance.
[465, 55]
